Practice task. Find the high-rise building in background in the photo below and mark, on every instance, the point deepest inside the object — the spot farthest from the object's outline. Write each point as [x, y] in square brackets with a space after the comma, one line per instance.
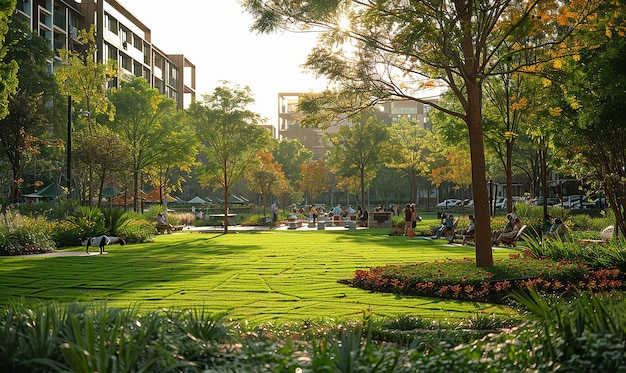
[120, 36]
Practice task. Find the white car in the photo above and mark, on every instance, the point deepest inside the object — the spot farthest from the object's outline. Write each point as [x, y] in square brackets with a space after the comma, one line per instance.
[569, 202]
[449, 203]
[501, 203]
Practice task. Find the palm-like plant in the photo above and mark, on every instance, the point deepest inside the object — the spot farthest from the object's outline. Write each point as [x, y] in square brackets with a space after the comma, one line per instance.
[114, 220]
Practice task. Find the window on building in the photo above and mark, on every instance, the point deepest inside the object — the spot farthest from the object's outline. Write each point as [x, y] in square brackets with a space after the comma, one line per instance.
[173, 74]
[146, 53]
[292, 107]
[137, 69]
[126, 63]
[23, 6]
[123, 36]
[59, 17]
[45, 18]
[60, 41]
[137, 42]
[111, 24]
[111, 52]
[45, 33]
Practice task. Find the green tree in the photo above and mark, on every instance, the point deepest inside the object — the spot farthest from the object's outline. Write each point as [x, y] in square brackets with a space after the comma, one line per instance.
[510, 101]
[359, 149]
[229, 135]
[315, 179]
[85, 80]
[176, 157]
[25, 127]
[142, 117]
[414, 150]
[395, 48]
[102, 151]
[457, 169]
[266, 177]
[8, 68]
[291, 154]
[593, 97]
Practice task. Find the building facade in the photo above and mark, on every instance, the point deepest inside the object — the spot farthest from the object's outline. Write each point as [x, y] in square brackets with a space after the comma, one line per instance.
[120, 36]
[316, 139]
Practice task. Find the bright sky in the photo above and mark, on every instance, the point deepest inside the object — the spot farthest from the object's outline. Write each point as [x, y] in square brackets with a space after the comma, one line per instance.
[214, 35]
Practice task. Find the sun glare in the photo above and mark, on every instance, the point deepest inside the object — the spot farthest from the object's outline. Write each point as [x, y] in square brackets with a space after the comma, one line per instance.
[343, 23]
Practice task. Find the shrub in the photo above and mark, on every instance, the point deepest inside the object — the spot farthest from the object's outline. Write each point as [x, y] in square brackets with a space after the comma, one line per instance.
[25, 235]
[185, 218]
[114, 220]
[137, 231]
[152, 212]
[257, 220]
[596, 256]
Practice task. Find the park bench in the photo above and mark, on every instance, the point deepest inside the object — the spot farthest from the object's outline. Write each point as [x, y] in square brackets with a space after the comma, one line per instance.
[161, 229]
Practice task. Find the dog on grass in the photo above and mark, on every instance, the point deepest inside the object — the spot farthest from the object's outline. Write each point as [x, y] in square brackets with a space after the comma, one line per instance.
[101, 241]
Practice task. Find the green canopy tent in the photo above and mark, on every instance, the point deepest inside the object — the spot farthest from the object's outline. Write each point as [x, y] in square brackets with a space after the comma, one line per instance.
[197, 200]
[52, 191]
[110, 192]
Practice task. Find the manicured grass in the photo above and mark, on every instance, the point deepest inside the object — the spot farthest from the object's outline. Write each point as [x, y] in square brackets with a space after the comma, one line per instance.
[264, 276]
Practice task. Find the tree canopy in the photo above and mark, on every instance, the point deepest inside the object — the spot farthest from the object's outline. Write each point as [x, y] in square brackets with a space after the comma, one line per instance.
[142, 116]
[359, 150]
[395, 49]
[229, 136]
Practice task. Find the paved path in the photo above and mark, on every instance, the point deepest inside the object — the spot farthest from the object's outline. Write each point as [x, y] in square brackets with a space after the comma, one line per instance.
[56, 254]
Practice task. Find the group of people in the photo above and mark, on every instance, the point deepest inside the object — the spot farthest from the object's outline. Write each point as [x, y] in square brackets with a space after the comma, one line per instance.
[506, 235]
[448, 227]
[410, 219]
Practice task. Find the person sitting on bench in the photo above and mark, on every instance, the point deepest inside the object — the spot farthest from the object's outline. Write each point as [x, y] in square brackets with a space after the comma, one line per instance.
[162, 224]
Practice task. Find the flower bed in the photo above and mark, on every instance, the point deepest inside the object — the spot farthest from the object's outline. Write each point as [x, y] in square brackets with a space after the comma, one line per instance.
[461, 279]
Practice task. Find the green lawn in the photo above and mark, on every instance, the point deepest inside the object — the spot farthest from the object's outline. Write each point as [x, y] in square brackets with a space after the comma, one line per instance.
[264, 276]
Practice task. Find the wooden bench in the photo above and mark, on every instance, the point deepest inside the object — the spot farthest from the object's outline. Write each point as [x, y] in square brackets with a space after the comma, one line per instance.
[161, 229]
[468, 238]
[220, 219]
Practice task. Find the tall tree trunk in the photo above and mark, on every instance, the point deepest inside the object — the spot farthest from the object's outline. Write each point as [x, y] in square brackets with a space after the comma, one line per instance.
[100, 189]
[15, 158]
[509, 175]
[15, 185]
[135, 190]
[90, 186]
[484, 255]
[543, 153]
[225, 198]
[362, 199]
[412, 185]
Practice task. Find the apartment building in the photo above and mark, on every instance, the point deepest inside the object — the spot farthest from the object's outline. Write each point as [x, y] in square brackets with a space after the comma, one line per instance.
[120, 36]
[315, 139]
[289, 117]
[411, 110]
